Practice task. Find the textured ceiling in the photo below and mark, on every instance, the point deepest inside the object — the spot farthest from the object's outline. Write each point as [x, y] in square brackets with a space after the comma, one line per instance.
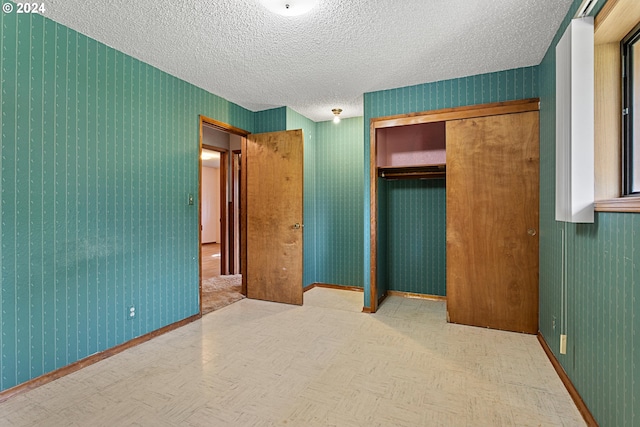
[322, 60]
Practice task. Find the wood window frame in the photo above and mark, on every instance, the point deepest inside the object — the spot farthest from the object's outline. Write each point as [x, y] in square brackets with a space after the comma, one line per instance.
[629, 88]
[616, 19]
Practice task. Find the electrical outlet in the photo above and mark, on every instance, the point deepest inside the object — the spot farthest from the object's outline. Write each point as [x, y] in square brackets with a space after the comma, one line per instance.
[132, 312]
[563, 344]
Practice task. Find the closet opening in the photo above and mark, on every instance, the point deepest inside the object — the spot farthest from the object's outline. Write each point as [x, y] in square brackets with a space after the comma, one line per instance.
[454, 211]
[411, 199]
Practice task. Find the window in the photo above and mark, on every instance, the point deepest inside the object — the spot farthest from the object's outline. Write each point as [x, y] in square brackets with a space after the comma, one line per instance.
[614, 24]
[631, 113]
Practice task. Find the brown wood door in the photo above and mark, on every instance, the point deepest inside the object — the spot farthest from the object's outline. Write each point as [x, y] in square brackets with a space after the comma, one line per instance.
[272, 173]
[492, 221]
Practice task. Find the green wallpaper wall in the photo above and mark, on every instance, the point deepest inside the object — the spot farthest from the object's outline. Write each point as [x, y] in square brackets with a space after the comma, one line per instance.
[99, 152]
[296, 120]
[603, 326]
[339, 202]
[416, 236]
[507, 85]
[272, 120]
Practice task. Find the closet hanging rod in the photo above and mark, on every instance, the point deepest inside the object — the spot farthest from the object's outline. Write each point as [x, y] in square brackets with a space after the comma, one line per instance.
[413, 172]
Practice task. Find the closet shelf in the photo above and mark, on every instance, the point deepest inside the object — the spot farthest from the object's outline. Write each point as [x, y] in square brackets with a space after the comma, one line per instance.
[412, 172]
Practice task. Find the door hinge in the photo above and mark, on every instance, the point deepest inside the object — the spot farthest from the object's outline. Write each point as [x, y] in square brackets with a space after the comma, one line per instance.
[625, 111]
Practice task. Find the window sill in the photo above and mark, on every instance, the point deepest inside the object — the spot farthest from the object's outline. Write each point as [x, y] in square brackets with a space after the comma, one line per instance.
[623, 204]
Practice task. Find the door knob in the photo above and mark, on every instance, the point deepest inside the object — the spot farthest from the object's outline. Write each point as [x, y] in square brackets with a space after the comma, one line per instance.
[296, 226]
[532, 232]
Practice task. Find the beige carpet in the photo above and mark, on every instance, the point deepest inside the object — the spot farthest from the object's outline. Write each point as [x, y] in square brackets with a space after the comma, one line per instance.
[220, 291]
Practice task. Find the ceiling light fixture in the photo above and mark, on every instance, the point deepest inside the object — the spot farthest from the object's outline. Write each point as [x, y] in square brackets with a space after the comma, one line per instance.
[289, 7]
[336, 114]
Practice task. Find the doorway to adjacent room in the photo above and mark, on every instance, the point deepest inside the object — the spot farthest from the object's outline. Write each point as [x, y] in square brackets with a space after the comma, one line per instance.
[261, 227]
[221, 282]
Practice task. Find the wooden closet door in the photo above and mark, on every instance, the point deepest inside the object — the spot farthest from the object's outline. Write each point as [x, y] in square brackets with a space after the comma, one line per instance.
[492, 221]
